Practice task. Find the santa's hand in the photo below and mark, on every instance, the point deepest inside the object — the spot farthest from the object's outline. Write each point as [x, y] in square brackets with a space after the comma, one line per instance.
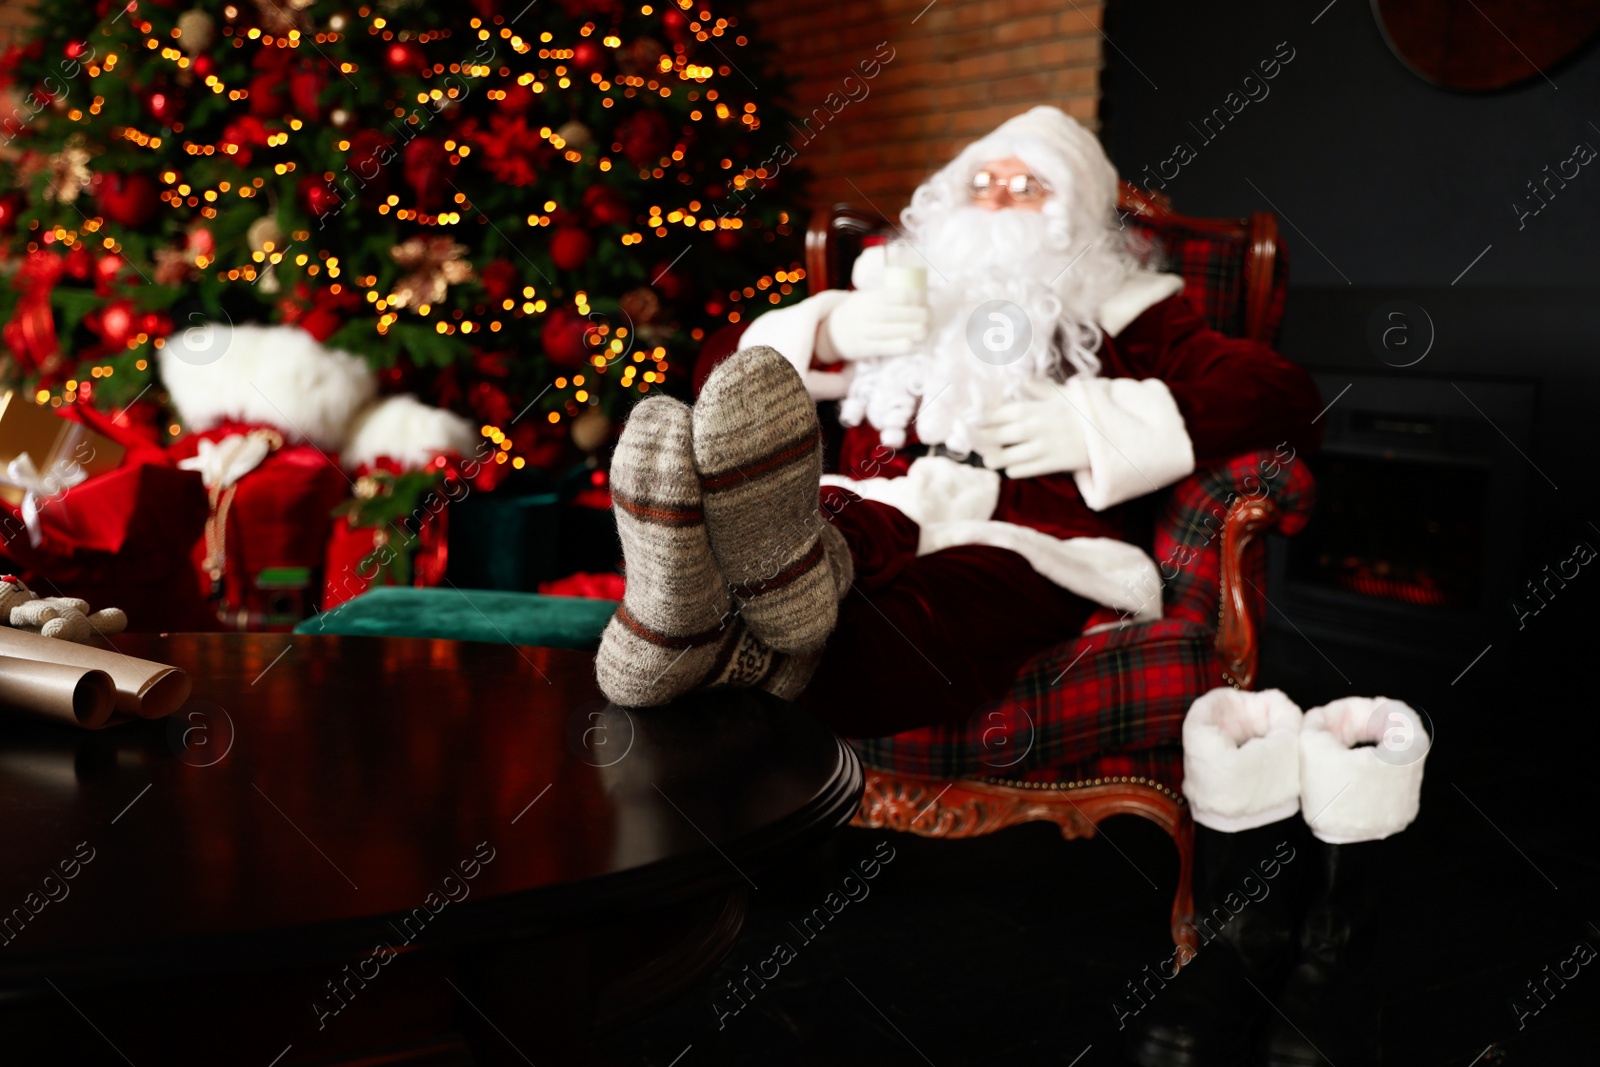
[1040, 434]
[873, 322]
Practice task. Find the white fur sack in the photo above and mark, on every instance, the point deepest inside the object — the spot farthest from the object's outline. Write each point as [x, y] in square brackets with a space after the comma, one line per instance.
[1241, 759]
[1352, 794]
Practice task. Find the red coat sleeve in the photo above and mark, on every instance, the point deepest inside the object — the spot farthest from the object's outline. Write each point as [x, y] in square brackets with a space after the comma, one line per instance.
[1235, 396]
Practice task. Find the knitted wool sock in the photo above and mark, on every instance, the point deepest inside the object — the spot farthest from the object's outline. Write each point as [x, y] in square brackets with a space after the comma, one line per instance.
[674, 624]
[758, 449]
[744, 660]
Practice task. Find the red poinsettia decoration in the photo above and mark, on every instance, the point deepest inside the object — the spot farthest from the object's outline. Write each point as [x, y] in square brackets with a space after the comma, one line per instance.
[512, 150]
[244, 134]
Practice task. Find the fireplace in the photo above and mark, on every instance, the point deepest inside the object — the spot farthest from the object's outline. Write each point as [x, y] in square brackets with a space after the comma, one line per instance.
[1415, 536]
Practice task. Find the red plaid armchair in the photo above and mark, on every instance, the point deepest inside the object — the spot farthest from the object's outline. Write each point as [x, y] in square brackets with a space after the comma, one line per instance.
[1092, 727]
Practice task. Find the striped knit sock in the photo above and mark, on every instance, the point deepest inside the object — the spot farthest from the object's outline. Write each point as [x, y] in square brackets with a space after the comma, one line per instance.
[758, 449]
[674, 623]
[676, 629]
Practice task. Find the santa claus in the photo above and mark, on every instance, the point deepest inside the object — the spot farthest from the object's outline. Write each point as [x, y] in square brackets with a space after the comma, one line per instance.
[1012, 376]
[998, 420]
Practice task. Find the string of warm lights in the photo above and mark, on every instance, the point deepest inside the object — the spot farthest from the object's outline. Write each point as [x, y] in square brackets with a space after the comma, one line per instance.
[671, 74]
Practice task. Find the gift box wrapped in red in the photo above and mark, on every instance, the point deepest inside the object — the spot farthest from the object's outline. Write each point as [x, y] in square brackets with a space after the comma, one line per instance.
[117, 538]
[285, 429]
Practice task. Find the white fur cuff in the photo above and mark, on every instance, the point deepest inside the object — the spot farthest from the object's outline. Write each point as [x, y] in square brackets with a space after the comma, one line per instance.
[1352, 794]
[1241, 759]
[792, 331]
[1135, 437]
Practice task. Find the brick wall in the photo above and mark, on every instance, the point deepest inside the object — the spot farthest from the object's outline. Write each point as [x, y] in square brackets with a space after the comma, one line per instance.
[959, 68]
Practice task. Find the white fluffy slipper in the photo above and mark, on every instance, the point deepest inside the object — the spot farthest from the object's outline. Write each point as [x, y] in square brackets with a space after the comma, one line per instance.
[1365, 793]
[1241, 759]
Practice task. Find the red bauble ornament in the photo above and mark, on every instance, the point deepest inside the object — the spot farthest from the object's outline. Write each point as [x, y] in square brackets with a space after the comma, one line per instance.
[321, 323]
[562, 338]
[117, 324]
[668, 282]
[106, 269]
[570, 247]
[319, 197]
[499, 278]
[368, 165]
[269, 95]
[305, 90]
[645, 137]
[79, 263]
[73, 50]
[203, 66]
[589, 57]
[425, 171]
[155, 324]
[405, 58]
[164, 105]
[127, 199]
[11, 205]
[201, 242]
[604, 206]
[676, 25]
[726, 240]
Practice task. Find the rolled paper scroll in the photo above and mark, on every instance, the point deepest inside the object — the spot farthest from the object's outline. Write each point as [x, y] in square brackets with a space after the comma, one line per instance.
[80, 696]
[144, 689]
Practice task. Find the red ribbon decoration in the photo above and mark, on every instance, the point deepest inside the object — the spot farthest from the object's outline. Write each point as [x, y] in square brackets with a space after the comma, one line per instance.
[31, 333]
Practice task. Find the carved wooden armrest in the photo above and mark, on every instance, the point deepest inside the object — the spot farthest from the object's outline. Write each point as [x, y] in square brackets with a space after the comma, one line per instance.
[1238, 631]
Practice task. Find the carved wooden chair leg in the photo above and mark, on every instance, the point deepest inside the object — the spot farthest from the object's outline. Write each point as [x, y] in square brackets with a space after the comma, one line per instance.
[1184, 934]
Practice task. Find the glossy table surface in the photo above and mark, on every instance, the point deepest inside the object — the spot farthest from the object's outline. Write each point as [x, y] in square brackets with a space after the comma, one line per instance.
[320, 794]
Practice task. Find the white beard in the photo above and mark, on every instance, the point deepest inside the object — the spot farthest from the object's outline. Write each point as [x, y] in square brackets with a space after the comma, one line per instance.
[974, 256]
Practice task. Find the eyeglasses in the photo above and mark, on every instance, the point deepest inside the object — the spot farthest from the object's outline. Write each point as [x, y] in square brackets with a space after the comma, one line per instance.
[1021, 186]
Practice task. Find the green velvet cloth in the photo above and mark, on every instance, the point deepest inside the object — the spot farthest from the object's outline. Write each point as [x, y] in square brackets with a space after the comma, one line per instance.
[468, 615]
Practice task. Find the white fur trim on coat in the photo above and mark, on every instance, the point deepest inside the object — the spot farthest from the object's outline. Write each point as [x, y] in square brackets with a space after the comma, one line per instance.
[1135, 436]
[411, 433]
[1142, 291]
[935, 489]
[952, 503]
[1352, 794]
[278, 376]
[1241, 759]
[793, 332]
[1100, 569]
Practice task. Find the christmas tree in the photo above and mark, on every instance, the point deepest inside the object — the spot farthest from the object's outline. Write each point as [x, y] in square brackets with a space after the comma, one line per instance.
[540, 206]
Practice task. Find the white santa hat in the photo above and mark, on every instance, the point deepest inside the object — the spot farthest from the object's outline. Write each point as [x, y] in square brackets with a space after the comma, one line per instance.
[281, 376]
[1056, 148]
[277, 376]
[407, 431]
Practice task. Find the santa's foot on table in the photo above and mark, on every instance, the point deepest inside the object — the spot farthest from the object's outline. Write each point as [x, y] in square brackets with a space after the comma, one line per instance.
[758, 449]
[744, 660]
[675, 621]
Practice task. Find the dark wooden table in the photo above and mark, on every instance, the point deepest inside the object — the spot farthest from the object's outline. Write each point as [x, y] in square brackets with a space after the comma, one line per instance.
[386, 850]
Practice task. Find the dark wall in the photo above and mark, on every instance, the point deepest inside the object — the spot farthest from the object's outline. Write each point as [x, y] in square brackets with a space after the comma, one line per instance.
[1388, 188]
[1393, 181]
